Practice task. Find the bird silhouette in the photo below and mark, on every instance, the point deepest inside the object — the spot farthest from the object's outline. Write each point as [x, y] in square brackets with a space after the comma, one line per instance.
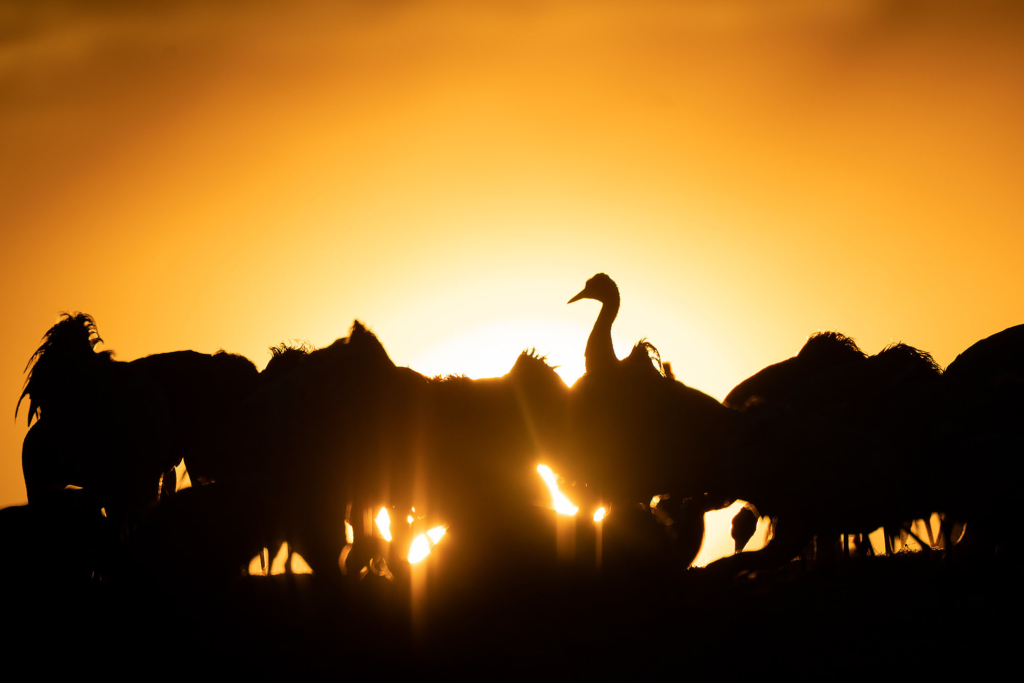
[624, 417]
[600, 353]
[986, 385]
[744, 524]
[831, 379]
[778, 382]
[115, 428]
[346, 430]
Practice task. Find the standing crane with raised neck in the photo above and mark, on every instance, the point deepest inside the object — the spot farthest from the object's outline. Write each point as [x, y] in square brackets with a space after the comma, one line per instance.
[626, 420]
[600, 355]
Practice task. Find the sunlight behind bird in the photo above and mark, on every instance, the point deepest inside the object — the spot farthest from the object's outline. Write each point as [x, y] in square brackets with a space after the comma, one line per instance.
[877, 540]
[183, 481]
[718, 541]
[258, 564]
[481, 171]
[762, 534]
[280, 563]
[600, 514]
[929, 531]
[560, 503]
[299, 565]
[491, 351]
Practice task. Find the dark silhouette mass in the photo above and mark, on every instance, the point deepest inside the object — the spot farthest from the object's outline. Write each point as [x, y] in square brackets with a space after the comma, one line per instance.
[115, 429]
[345, 431]
[632, 426]
[831, 379]
[777, 383]
[315, 451]
[830, 442]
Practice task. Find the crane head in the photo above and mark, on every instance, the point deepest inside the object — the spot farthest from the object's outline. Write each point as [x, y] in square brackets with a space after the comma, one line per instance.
[600, 287]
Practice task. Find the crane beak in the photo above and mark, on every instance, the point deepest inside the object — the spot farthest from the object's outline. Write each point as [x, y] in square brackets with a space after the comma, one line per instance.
[581, 295]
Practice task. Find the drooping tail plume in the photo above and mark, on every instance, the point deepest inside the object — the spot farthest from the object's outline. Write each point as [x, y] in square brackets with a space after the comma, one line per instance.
[69, 342]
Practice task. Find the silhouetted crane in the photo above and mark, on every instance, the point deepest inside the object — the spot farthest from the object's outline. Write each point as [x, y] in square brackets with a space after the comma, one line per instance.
[115, 428]
[776, 383]
[613, 392]
[347, 429]
[853, 444]
[986, 387]
[831, 378]
[992, 362]
[614, 402]
[600, 352]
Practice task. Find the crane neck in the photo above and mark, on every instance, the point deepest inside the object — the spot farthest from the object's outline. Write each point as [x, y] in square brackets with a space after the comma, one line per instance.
[600, 353]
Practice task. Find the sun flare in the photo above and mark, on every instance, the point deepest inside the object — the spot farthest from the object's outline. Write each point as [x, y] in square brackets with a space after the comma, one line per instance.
[384, 524]
[561, 504]
[422, 544]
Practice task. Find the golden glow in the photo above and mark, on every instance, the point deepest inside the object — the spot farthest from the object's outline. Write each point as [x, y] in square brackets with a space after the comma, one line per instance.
[928, 529]
[718, 541]
[925, 529]
[762, 534]
[350, 534]
[182, 480]
[600, 514]
[299, 565]
[280, 563]
[654, 501]
[409, 519]
[343, 559]
[494, 187]
[258, 564]
[877, 540]
[561, 504]
[384, 524]
[491, 350]
[436, 533]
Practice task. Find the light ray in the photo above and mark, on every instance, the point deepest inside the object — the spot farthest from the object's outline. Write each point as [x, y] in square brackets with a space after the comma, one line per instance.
[562, 505]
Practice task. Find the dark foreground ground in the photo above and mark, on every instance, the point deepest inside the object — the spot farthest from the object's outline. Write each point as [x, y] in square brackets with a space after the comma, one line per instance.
[906, 615]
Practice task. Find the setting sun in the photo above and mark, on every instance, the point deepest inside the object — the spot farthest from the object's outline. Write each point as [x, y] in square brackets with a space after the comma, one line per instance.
[491, 351]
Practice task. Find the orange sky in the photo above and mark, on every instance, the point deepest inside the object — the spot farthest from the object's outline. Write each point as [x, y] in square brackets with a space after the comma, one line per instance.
[749, 172]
